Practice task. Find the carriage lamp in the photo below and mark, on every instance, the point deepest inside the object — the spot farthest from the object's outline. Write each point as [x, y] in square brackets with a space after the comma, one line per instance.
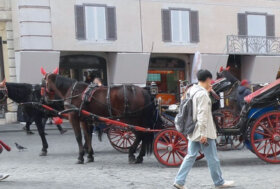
[154, 88]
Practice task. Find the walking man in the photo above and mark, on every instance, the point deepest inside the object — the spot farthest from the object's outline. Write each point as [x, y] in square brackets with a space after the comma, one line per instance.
[203, 136]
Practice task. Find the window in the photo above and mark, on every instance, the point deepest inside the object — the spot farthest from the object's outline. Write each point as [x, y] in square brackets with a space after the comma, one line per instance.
[180, 26]
[95, 23]
[154, 77]
[256, 25]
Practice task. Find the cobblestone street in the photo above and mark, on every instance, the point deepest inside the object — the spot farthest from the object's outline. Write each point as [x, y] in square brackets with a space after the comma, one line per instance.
[111, 169]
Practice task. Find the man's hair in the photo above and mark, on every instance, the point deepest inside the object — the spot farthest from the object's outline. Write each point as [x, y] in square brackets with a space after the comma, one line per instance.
[203, 75]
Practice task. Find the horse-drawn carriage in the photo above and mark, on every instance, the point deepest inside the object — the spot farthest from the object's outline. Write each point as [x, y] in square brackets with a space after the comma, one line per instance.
[256, 124]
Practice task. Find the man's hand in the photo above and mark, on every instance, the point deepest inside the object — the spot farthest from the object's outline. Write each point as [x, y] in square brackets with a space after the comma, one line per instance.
[203, 140]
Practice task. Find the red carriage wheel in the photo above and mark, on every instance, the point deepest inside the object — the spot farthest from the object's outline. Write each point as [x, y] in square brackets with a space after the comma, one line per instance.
[170, 147]
[265, 137]
[121, 139]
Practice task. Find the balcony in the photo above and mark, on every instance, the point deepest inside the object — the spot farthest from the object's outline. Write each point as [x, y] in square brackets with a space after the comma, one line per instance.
[253, 45]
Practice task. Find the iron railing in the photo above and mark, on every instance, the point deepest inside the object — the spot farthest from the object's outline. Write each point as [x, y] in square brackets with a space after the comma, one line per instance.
[253, 45]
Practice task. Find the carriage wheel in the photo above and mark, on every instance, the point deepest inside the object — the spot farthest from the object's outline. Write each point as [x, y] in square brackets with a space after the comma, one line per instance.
[265, 137]
[170, 147]
[120, 139]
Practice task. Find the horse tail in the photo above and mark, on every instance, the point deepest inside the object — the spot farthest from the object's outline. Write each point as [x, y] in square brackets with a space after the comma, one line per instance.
[151, 119]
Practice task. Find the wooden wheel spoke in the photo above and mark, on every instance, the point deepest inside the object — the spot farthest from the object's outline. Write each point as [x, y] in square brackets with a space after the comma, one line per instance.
[274, 151]
[168, 156]
[259, 140]
[266, 154]
[163, 143]
[173, 154]
[178, 156]
[116, 141]
[183, 154]
[261, 133]
[170, 137]
[163, 154]
[178, 142]
[264, 146]
[268, 130]
[270, 123]
[165, 139]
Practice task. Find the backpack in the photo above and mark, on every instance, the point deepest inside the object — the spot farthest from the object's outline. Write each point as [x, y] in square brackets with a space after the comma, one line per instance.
[184, 122]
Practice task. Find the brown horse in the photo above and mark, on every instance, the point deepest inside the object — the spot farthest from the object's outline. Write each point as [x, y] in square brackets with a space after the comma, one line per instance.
[128, 103]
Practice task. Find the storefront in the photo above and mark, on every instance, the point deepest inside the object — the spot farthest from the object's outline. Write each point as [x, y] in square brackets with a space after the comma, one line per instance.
[83, 67]
[166, 73]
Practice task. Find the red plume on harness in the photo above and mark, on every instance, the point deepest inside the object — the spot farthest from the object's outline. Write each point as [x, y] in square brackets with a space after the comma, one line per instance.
[57, 121]
[56, 71]
[3, 82]
[43, 71]
[223, 69]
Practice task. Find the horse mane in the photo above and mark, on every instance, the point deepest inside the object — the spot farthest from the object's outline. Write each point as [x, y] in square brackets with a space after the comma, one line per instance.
[21, 92]
[64, 83]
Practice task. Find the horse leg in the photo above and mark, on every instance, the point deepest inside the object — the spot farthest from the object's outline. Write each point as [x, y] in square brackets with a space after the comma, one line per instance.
[74, 120]
[133, 148]
[41, 131]
[27, 128]
[88, 139]
[147, 141]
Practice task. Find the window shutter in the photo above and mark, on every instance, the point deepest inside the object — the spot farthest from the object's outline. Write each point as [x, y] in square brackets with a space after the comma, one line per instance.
[111, 23]
[242, 24]
[270, 25]
[166, 25]
[194, 27]
[80, 22]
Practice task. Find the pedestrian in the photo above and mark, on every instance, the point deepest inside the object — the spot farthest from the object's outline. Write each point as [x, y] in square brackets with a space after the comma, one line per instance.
[203, 136]
[98, 81]
[242, 91]
[3, 176]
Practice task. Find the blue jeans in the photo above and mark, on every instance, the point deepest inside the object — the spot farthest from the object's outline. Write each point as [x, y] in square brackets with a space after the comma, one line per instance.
[210, 153]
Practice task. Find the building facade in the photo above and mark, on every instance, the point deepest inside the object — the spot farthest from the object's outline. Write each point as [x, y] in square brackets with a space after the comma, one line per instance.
[140, 41]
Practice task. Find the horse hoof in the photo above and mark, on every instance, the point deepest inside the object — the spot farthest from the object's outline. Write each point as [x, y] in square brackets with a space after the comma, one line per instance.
[80, 161]
[43, 153]
[90, 160]
[139, 160]
[29, 132]
[132, 160]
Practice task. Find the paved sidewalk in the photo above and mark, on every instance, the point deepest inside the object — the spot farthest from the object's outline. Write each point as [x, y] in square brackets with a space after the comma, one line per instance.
[111, 169]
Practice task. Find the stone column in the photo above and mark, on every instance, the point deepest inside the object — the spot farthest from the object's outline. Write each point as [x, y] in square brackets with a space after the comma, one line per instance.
[11, 116]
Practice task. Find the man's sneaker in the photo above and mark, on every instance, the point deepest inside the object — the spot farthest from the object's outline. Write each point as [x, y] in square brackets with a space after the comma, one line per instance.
[3, 176]
[179, 186]
[227, 184]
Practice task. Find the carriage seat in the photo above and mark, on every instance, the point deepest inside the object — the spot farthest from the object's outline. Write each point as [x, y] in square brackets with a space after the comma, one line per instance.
[261, 91]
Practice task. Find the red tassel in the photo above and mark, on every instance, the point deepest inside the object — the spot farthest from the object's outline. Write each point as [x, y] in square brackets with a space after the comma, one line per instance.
[43, 71]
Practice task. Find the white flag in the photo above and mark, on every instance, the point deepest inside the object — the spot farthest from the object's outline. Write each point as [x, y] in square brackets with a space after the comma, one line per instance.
[196, 65]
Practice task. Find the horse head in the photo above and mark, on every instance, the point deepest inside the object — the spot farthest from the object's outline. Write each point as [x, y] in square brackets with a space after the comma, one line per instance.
[225, 73]
[48, 88]
[3, 91]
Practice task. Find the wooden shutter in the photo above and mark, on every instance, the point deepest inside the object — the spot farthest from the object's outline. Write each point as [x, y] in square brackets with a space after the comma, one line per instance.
[80, 22]
[270, 25]
[166, 25]
[242, 24]
[111, 23]
[194, 27]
